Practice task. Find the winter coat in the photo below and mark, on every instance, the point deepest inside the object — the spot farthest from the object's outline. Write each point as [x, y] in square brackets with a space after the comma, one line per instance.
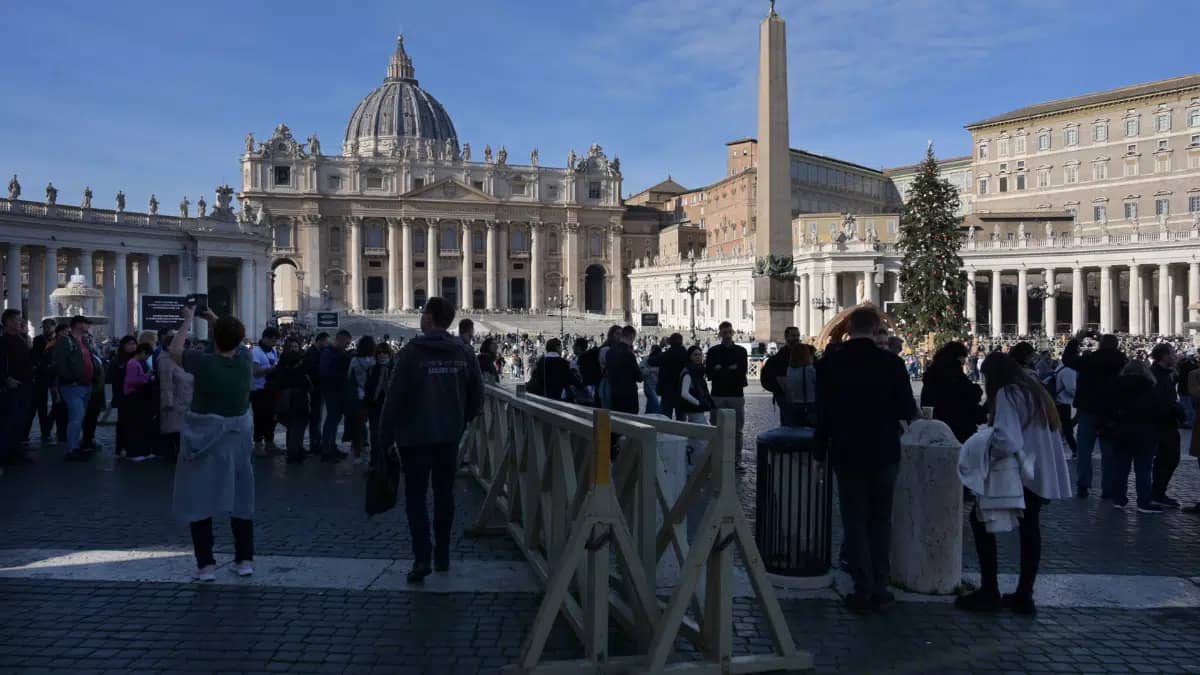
[954, 399]
[622, 375]
[552, 377]
[1137, 414]
[670, 372]
[436, 390]
[175, 394]
[1020, 430]
[1098, 373]
[291, 381]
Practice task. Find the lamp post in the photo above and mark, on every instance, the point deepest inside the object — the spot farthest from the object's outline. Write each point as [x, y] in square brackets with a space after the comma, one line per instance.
[693, 286]
[562, 301]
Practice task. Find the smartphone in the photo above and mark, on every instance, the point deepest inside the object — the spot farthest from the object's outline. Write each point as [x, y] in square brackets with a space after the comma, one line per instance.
[199, 301]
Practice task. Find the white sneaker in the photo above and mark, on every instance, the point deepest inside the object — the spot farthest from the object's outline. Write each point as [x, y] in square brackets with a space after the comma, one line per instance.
[206, 573]
[243, 569]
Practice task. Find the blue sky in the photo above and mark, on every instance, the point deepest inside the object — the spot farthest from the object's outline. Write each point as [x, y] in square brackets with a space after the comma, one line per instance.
[157, 97]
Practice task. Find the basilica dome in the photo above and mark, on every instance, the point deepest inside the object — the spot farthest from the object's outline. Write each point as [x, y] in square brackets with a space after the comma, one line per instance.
[396, 111]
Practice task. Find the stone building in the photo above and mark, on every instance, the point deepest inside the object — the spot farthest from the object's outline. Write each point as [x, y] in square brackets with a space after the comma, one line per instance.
[956, 171]
[407, 211]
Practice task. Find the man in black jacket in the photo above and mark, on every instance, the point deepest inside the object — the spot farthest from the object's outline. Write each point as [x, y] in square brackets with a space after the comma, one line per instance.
[551, 375]
[436, 390]
[670, 372]
[777, 366]
[1163, 364]
[863, 394]
[43, 382]
[1094, 390]
[312, 368]
[622, 373]
[725, 365]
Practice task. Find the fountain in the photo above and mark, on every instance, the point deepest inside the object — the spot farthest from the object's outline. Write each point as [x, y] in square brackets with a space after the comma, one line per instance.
[77, 298]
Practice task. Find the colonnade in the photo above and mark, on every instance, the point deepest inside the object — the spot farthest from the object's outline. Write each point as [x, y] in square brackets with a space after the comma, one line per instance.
[820, 295]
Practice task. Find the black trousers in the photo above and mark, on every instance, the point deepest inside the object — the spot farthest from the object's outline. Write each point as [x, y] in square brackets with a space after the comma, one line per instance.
[91, 416]
[1031, 549]
[202, 540]
[39, 409]
[420, 464]
[1068, 425]
[1166, 461]
[866, 499]
[315, 410]
[262, 402]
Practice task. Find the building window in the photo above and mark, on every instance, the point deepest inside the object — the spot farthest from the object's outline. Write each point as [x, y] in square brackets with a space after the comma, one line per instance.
[727, 307]
[283, 235]
[518, 188]
[1071, 175]
[594, 190]
[1099, 170]
[477, 244]
[1131, 149]
[1020, 165]
[419, 241]
[1004, 183]
[1162, 144]
[1162, 206]
[374, 235]
[745, 314]
[1131, 167]
[335, 182]
[335, 239]
[1099, 213]
[1043, 178]
[1193, 204]
[418, 183]
[893, 227]
[1100, 132]
[1162, 164]
[1020, 181]
[1194, 160]
[983, 186]
[1002, 147]
[1021, 144]
[983, 151]
[283, 175]
[1072, 136]
[449, 239]
[1003, 167]
[518, 240]
[1044, 141]
[1162, 122]
[1194, 117]
[477, 184]
[1131, 126]
[1130, 210]
[374, 180]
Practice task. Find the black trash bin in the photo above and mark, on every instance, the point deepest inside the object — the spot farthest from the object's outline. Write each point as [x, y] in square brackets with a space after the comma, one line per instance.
[795, 500]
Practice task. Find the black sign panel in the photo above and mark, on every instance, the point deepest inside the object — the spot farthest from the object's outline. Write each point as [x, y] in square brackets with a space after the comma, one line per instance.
[649, 318]
[161, 312]
[327, 319]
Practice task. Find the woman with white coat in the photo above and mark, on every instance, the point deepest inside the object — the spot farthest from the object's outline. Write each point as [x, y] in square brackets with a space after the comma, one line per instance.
[1024, 422]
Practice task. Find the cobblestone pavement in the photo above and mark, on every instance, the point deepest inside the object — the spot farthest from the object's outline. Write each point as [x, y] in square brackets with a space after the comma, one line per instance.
[316, 510]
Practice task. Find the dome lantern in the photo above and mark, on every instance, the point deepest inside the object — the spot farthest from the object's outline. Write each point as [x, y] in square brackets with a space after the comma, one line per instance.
[400, 67]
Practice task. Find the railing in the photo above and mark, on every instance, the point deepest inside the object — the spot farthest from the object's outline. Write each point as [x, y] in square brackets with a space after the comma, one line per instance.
[546, 470]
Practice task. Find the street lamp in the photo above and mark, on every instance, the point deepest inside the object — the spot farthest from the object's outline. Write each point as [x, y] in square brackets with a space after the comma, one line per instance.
[823, 304]
[562, 301]
[693, 287]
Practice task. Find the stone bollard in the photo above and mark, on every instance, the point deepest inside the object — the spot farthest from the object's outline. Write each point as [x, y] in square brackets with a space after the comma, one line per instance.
[672, 476]
[927, 511]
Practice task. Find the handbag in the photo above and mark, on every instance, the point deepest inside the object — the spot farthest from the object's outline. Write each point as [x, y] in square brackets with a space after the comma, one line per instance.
[383, 481]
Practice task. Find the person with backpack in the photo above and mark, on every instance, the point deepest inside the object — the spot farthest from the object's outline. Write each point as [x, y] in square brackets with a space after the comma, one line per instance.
[591, 373]
[670, 372]
[291, 408]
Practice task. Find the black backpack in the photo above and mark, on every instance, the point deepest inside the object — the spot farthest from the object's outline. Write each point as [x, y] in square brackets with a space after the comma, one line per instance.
[589, 367]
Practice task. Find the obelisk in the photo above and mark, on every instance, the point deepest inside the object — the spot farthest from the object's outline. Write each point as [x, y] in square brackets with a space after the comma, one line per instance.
[774, 278]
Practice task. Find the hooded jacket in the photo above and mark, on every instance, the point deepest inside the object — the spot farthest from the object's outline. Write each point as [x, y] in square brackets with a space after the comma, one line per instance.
[436, 391]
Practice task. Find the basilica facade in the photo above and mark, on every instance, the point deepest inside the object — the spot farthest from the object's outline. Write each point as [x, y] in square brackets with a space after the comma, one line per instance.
[408, 211]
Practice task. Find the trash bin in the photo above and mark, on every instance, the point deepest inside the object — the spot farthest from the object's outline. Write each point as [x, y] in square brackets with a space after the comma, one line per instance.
[795, 500]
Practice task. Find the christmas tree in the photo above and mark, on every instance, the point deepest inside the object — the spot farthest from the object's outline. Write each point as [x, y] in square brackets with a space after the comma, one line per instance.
[931, 278]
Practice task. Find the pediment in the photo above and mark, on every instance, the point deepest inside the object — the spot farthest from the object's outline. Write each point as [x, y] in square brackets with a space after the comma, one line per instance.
[451, 190]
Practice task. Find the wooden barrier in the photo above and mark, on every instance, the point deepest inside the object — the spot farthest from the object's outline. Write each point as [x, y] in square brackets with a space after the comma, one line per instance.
[549, 479]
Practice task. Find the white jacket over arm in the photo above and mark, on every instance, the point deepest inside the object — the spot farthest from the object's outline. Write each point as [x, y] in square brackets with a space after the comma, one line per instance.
[1035, 440]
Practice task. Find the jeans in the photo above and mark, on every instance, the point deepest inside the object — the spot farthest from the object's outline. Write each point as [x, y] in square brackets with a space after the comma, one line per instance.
[202, 540]
[314, 419]
[1142, 458]
[738, 405]
[1068, 426]
[1088, 434]
[1166, 460]
[1031, 548]
[865, 497]
[14, 409]
[653, 403]
[262, 402]
[1189, 411]
[420, 463]
[75, 398]
[333, 415]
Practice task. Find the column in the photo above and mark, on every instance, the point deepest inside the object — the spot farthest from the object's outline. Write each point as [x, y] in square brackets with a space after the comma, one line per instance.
[465, 286]
[870, 290]
[489, 266]
[12, 277]
[616, 302]
[503, 301]
[535, 267]
[395, 266]
[314, 269]
[1180, 305]
[1050, 304]
[87, 267]
[571, 262]
[246, 295]
[1106, 322]
[120, 317]
[153, 275]
[201, 326]
[1194, 290]
[1148, 301]
[264, 292]
[355, 287]
[972, 312]
[181, 279]
[1078, 300]
[431, 261]
[406, 264]
[1164, 299]
[997, 317]
[831, 293]
[805, 325]
[1022, 302]
[51, 277]
[1135, 300]
[816, 289]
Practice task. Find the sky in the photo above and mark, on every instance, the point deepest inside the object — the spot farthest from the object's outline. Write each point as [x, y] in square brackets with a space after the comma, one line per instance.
[154, 97]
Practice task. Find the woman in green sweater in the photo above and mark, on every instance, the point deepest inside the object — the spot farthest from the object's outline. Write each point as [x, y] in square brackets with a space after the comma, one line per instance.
[214, 476]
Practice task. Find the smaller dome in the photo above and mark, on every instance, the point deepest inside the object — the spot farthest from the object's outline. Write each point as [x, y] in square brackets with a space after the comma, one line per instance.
[396, 111]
